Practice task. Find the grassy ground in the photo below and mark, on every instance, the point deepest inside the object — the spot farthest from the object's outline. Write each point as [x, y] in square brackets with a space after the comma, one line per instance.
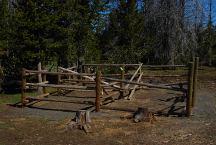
[12, 98]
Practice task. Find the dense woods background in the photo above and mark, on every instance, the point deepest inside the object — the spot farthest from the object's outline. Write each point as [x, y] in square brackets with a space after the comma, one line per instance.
[116, 31]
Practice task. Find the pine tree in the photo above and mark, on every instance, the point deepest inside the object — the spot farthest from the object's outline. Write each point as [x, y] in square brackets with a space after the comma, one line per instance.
[4, 26]
[123, 36]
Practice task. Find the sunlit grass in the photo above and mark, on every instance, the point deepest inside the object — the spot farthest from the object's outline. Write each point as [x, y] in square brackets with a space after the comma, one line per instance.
[12, 98]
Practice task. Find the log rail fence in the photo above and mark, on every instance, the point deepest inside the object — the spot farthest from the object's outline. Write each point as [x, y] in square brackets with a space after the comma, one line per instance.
[119, 85]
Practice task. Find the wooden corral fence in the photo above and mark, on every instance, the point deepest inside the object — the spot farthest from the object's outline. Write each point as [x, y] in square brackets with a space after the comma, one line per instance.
[102, 81]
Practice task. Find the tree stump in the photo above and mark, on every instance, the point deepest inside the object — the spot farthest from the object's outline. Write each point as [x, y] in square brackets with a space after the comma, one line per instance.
[81, 121]
[143, 114]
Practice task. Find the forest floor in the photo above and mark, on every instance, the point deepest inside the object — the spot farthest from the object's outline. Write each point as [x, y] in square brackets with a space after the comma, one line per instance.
[45, 123]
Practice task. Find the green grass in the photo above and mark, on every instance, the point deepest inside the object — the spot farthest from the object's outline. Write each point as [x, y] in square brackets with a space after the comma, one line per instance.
[164, 72]
[4, 126]
[203, 71]
[12, 98]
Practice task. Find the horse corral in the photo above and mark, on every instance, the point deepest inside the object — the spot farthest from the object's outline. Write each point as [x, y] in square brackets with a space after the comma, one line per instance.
[110, 84]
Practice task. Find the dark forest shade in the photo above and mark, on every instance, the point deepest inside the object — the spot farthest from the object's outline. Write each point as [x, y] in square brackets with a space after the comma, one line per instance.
[117, 31]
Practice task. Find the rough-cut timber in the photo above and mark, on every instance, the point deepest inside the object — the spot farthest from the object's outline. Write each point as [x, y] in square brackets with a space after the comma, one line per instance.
[135, 87]
[122, 84]
[98, 90]
[111, 64]
[196, 67]
[145, 84]
[57, 86]
[190, 89]
[39, 78]
[134, 75]
[90, 78]
[23, 96]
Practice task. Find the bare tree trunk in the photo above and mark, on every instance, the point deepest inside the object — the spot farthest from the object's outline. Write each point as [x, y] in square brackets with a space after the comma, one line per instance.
[210, 34]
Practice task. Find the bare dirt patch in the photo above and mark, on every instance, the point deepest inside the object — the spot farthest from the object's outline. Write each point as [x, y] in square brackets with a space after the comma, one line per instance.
[26, 126]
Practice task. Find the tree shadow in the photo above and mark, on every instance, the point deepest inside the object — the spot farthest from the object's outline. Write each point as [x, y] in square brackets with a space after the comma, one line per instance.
[174, 109]
[31, 104]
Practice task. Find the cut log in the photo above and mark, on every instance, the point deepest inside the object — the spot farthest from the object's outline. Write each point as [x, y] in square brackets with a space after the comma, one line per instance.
[143, 114]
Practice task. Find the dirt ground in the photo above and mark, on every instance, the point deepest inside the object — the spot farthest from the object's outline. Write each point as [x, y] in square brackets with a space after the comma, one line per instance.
[45, 123]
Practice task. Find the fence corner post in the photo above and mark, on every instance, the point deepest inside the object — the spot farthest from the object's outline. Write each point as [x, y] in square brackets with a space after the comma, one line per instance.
[190, 89]
[195, 74]
[98, 90]
[23, 87]
[44, 80]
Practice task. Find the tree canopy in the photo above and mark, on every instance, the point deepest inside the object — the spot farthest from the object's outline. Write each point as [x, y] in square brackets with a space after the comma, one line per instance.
[118, 31]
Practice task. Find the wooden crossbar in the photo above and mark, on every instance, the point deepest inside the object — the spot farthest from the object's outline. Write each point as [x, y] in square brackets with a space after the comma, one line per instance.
[145, 84]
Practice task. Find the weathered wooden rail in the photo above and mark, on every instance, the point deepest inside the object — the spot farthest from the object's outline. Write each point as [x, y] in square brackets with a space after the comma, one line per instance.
[103, 81]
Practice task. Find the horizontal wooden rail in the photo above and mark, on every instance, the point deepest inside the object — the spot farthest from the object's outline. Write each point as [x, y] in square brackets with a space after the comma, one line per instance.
[60, 101]
[31, 72]
[111, 64]
[145, 66]
[179, 83]
[111, 84]
[162, 66]
[116, 75]
[77, 80]
[71, 68]
[148, 76]
[56, 86]
[145, 84]
[88, 77]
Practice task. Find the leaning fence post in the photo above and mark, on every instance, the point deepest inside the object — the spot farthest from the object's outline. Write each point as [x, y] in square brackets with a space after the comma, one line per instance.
[98, 90]
[195, 73]
[23, 87]
[190, 89]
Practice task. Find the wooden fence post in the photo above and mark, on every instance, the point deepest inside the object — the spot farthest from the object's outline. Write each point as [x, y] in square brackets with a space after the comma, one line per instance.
[190, 89]
[44, 80]
[98, 90]
[23, 87]
[39, 78]
[122, 84]
[195, 73]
